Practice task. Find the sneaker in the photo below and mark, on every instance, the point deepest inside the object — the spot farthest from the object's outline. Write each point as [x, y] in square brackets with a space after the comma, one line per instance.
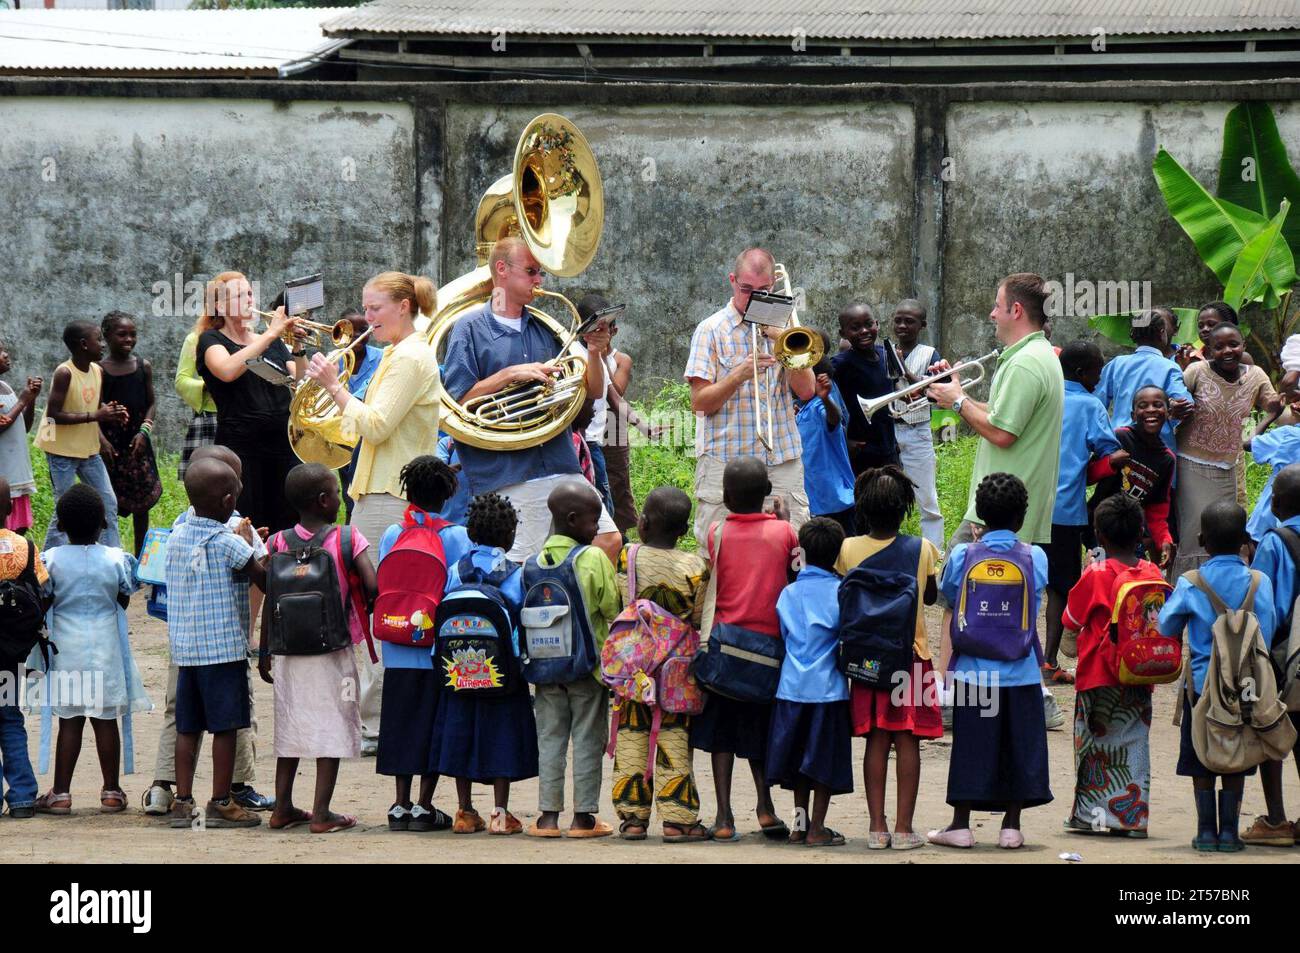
[229, 813]
[183, 812]
[1264, 834]
[1052, 712]
[158, 801]
[399, 818]
[423, 820]
[247, 798]
[22, 813]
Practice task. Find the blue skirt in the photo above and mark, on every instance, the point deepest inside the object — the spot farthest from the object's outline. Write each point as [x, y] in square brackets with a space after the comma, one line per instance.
[999, 759]
[406, 714]
[811, 742]
[727, 726]
[484, 739]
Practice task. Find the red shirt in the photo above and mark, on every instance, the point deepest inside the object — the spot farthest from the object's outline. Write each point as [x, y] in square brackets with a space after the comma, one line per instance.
[754, 566]
[1088, 610]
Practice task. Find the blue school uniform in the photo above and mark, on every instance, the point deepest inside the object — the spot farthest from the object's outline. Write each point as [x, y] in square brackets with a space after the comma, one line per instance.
[1273, 559]
[827, 475]
[1278, 448]
[810, 736]
[456, 509]
[1124, 376]
[999, 730]
[409, 702]
[1085, 433]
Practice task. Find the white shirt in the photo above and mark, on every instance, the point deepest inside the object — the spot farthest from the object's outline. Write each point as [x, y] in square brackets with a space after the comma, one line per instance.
[600, 413]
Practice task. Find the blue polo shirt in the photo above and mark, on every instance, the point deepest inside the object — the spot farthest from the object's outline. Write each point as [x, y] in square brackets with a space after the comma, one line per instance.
[1188, 608]
[827, 474]
[478, 347]
[809, 613]
[1127, 374]
[1085, 433]
[1273, 559]
[457, 508]
[360, 378]
[968, 668]
[455, 544]
[1278, 448]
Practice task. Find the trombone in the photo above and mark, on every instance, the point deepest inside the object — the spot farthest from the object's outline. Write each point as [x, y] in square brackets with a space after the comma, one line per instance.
[869, 407]
[797, 349]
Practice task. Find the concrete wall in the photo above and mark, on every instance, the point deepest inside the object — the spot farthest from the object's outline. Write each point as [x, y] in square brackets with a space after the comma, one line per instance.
[868, 192]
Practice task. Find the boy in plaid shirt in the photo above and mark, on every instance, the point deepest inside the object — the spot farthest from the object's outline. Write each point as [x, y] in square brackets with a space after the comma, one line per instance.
[208, 571]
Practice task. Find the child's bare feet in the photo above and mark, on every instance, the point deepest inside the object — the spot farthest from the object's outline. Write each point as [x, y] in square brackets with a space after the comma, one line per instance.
[285, 816]
[333, 822]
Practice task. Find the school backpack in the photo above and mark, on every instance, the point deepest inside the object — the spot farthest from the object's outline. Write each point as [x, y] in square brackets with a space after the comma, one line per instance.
[303, 597]
[647, 659]
[412, 577]
[1143, 655]
[1239, 721]
[22, 620]
[557, 644]
[994, 615]
[1286, 646]
[879, 599]
[473, 633]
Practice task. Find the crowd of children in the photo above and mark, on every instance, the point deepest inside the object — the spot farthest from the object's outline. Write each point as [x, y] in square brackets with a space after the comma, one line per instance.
[497, 672]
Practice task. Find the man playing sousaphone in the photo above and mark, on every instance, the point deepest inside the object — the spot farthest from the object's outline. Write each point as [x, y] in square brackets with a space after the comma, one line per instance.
[497, 347]
[720, 370]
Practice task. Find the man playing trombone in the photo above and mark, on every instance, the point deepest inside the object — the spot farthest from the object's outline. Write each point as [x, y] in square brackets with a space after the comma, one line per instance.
[722, 369]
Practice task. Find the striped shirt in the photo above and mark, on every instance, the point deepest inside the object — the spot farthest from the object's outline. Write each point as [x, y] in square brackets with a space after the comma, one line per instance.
[721, 341]
[207, 597]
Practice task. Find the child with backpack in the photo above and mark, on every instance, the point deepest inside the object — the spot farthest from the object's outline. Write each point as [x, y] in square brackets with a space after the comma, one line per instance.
[570, 598]
[318, 590]
[673, 580]
[1112, 715]
[90, 586]
[22, 607]
[414, 556]
[999, 731]
[1278, 558]
[484, 731]
[809, 750]
[1201, 602]
[752, 553]
[893, 710]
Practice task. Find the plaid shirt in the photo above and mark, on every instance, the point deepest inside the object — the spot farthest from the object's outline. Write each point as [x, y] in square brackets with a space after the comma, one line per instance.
[207, 616]
[720, 342]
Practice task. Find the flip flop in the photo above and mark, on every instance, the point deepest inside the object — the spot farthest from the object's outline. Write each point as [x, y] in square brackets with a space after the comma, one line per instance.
[600, 830]
[341, 822]
[777, 831]
[299, 817]
[836, 840]
[715, 834]
[689, 834]
[547, 832]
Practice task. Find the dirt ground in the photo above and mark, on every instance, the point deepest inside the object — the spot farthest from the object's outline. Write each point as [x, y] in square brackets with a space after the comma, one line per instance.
[88, 836]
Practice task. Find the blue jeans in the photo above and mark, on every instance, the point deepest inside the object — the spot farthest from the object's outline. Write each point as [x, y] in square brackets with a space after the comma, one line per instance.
[15, 765]
[602, 475]
[63, 473]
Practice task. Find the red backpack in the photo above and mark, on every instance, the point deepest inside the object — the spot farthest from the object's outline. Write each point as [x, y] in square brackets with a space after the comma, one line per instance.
[1143, 655]
[412, 578]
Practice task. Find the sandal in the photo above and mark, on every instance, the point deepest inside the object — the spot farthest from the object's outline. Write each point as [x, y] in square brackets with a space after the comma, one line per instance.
[546, 832]
[336, 823]
[112, 802]
[695, 833]
[730, 837]
[299, 816]
[836, 839]
[777, 831]
[1055, 675]
[632, 828]
[51, 803]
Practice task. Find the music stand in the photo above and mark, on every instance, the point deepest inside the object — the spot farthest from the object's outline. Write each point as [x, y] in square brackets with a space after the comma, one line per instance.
[769, 308]
[303, 295]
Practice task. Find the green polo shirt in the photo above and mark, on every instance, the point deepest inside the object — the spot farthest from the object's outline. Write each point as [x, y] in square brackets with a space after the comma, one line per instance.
[1027, 398]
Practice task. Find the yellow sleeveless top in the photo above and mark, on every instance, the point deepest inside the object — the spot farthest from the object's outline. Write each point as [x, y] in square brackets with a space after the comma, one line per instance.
[74, 440]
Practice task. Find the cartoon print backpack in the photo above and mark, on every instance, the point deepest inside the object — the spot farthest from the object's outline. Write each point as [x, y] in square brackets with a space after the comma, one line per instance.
[557, 645]
[647, 659]
[474, 633]
[412, 577]
[994, 616]
[1144, 655]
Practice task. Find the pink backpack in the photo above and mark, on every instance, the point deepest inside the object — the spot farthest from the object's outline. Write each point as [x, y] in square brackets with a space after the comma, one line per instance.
[647, 659]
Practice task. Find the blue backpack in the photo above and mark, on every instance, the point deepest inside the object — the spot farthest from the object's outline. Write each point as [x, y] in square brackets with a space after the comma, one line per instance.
[474, 629]
[879, 599]
[557, 644]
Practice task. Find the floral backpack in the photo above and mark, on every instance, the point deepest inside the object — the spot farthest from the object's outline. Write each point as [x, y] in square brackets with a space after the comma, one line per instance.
[647, 659]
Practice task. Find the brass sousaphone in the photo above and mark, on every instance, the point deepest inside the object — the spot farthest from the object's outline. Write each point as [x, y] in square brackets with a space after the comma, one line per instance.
[553, 199]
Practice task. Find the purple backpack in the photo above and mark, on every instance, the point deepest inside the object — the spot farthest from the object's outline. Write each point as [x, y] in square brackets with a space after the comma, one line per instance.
[995, 614]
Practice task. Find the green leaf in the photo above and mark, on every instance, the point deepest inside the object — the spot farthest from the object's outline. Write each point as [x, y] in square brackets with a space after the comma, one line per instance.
[1218, 228]
[1254, 171]
[1116, 327]
[1248, 278]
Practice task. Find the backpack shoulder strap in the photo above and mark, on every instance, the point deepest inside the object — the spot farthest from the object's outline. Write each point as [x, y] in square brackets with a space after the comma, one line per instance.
[631, 571]
[1194, 577]
[1291, 540]
[1248, 604]
[345, 546]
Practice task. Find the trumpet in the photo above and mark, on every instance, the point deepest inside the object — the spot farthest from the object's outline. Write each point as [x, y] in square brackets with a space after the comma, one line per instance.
[339, 333]
[869, 407]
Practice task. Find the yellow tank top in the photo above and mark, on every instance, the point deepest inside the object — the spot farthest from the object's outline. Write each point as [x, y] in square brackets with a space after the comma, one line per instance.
[74, 440]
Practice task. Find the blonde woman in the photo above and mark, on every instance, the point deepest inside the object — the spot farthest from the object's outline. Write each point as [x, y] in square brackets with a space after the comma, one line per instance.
[397, 422]
[252, 413]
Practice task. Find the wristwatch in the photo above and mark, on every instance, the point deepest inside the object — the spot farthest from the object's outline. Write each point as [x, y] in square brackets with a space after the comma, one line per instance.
[957, 404]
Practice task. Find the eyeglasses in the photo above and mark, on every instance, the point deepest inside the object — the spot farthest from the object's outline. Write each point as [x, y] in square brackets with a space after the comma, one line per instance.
[750, 289]
[530, 272]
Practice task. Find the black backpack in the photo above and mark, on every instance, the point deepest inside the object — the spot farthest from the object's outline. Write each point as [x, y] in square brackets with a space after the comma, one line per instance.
[22, 619]
[303, 597]
[474, 650]
[879, 599]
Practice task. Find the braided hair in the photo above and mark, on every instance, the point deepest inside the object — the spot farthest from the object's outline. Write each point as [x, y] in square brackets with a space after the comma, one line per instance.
[428, 483]
[491, 521]
[112, 319]
[1001, 501]
[884, 496]
[1226, 312]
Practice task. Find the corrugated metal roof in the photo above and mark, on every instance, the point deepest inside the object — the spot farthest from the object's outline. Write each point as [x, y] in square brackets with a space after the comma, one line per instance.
[819, 19]
[108, 41]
